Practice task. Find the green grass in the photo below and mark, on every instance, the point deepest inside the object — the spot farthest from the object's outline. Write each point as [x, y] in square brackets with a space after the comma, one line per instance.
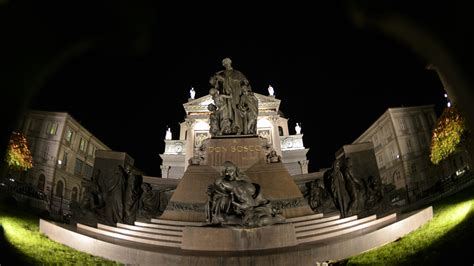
[21, 242]
[445, 239]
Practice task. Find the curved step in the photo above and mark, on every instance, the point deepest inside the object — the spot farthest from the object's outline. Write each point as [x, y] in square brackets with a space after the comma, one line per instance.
[305, 218]
[130, 238]
[317, 221]
[124, 231]
[377, 222]
[151, 230]
[325, 224]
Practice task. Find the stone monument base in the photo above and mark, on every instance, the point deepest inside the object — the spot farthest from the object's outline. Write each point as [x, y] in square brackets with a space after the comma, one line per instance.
[237, 239]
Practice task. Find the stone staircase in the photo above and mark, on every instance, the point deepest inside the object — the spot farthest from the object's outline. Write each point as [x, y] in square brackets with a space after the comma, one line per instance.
[302, 241]
[308, 229]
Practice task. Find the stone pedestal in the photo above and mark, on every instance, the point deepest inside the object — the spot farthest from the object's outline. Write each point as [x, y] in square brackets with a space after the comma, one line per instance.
[242, 151]
[188, 201]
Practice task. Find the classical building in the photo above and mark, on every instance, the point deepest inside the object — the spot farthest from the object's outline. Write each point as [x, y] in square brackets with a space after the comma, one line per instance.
[63, 154]
[401, 139]
[270, 125]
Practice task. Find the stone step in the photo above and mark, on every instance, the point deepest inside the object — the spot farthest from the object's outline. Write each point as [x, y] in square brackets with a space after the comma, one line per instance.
[161, 236]
[172, 222]
[130, 238]
[151, 230]
[377, 223]
[324, 224]
[317, 221]
[305, 218]
[160, 226]
[309, 231]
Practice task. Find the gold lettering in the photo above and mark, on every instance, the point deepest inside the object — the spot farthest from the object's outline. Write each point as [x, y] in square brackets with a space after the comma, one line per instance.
[246, 149]
[218, 149]
[251, 148]
[232, 148]
[239, 148]
[210, 149]
[258, 148]
[224, 149]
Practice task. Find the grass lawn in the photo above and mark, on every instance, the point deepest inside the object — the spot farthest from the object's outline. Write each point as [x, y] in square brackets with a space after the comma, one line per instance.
[445, 240]
[21, 243]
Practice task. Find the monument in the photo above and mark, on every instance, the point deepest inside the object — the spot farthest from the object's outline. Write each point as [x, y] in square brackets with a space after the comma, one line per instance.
[236, 202]
[233, 126]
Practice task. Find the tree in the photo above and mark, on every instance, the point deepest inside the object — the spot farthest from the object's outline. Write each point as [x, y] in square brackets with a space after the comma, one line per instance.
[18, 157]
[449, 135]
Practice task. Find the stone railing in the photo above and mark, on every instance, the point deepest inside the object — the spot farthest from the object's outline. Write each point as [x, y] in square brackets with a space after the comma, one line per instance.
[292, 142]
[175, 147]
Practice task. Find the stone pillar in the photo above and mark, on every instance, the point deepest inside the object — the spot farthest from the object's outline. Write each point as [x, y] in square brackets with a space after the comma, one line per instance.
[189, 150]
[165, 171]
[304, 166]
[275, 135]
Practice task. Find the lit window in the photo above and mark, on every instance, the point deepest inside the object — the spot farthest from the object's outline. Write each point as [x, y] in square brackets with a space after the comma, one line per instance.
[82, 144]
[69, 134]
[52, 128]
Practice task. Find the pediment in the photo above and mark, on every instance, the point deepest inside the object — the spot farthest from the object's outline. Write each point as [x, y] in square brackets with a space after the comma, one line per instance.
[199, 105]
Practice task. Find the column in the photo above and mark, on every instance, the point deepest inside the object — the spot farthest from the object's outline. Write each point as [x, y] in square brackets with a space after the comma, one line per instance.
[189, 148]
[275, 135]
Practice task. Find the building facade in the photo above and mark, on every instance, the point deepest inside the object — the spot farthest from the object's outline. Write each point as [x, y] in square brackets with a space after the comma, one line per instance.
[270, 125]
[401, 139]
[63, 154]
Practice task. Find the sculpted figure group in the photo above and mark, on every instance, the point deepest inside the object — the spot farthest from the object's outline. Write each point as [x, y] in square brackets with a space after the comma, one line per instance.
[234, 200]
[235, 107]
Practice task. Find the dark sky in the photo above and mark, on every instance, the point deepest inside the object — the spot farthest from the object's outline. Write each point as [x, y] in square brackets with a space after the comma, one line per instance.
[332, 77]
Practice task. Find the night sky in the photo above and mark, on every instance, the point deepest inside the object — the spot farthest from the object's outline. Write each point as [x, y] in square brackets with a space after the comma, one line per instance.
[332, 77]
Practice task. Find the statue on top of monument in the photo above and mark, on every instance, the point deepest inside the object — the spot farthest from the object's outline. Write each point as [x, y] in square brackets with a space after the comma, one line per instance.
[232, 83]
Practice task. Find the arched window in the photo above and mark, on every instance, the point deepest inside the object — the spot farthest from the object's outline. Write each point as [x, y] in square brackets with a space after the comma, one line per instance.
[280, 130]
[41, 182]
[59, 188]
[74, 194]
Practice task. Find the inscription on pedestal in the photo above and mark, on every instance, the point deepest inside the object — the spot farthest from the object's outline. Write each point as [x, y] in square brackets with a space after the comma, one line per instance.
[243, 152]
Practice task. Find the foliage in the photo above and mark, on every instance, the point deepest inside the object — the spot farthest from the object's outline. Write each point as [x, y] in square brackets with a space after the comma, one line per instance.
[18, 155]
[448, 135]
[28, 246]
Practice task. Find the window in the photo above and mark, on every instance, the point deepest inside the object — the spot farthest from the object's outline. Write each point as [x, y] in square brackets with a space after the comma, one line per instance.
[393, 154]
[65, 159]
[417, 122]
[401, 123]
[280, 131]
[375, 139]
[82, 145]
[409, 146]
[52, 128]
[380, 160]
[59, 189]
[69, 135]
[41, 182]
[78, 167]
[413, 168]
[88, 171]
[74, 194]
[92, 150]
